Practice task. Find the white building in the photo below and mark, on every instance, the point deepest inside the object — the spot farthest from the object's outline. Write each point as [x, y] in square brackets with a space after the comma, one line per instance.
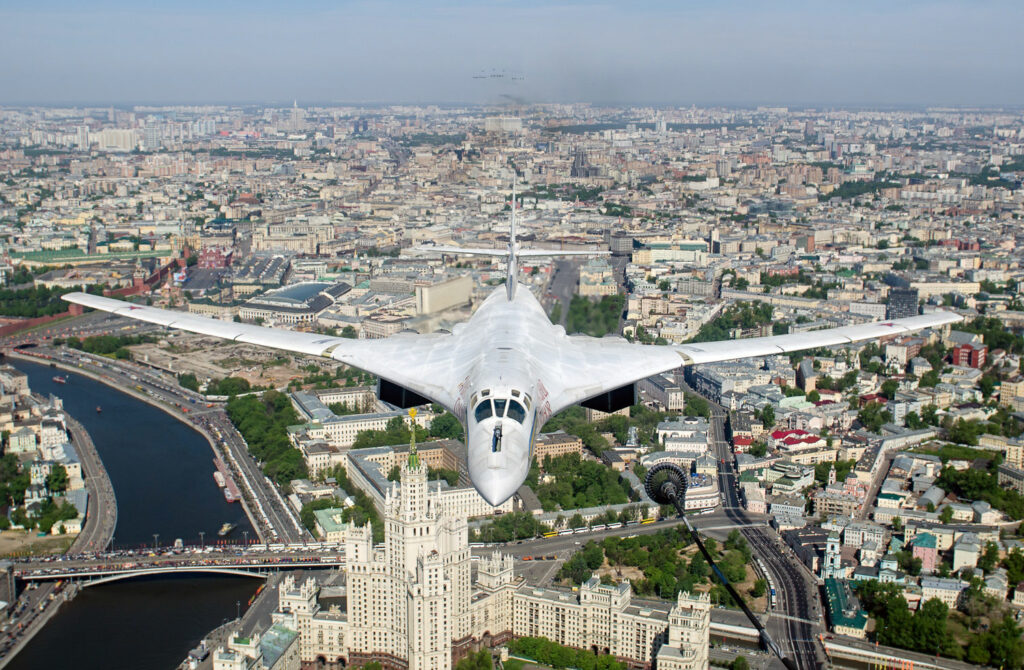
[412, 605]
[946, 590]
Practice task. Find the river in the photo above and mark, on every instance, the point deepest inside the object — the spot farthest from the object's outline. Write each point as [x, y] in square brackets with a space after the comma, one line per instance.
[162, 473]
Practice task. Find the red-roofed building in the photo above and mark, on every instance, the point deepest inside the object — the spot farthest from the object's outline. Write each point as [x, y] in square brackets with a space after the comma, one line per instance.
[789, 440]
[741, 444]
[872, 397]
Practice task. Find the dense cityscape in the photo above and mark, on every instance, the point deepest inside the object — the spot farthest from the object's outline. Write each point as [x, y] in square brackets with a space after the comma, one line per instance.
[864, 500]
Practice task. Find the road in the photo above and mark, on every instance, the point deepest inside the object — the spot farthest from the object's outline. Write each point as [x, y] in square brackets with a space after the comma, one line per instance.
[797, 593]
[562, 286]
[255, 556]
[876, 483]
[279, 520]
[101, 519]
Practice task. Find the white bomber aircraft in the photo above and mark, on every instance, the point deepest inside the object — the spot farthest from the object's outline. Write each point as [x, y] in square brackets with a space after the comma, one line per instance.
[507, 370]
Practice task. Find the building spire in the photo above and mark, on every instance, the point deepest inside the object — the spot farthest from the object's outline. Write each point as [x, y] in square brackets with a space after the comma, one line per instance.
[414, 459]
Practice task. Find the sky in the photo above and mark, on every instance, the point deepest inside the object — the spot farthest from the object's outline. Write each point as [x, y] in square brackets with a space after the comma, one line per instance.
[864, 53]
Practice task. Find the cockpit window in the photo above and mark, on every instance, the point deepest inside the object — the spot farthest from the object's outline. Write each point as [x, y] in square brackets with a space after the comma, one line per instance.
[515, 393]
[483, 411]
[516, 411]
[499, 406]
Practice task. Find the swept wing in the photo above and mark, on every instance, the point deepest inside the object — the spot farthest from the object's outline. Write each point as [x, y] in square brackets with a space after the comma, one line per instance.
[421, 363]
[586, 367]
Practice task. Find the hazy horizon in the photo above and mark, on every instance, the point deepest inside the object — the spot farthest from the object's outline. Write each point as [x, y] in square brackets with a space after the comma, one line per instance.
[952, 53]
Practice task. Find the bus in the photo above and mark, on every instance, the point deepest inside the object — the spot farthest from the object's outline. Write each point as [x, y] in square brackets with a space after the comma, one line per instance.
[648, 520]
[551, 533]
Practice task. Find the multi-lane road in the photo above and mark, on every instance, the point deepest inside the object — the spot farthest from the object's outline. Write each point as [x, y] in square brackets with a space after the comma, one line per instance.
[562, 286]
[101, 519]
[797, 594]
[279, 521]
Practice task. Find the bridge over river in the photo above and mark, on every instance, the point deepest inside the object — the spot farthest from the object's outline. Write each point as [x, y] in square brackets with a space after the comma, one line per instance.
[256, 561]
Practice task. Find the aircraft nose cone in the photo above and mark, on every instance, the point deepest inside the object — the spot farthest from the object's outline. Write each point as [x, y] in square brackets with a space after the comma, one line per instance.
[496, 485]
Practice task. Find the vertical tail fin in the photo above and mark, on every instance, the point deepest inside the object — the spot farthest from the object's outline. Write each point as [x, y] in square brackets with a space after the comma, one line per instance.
[512, 274]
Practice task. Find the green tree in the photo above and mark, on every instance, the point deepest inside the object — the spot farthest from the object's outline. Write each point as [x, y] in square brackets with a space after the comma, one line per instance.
[189, 381]
[480, 660]
[57, 480]
[873, 416]
[307, 516]
[946, 515]
[229, 386]
[446, 426]
[263, 421]
[512, 526]
[579, 483]
[450, 476]
[343, 409]
[595, 318]
[696, 405]
[965, 432]
[556, 312]
[989, 558]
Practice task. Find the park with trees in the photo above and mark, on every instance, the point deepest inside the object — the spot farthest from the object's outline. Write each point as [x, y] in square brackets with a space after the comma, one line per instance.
[668, 562]
[263, 421]
[576, 484]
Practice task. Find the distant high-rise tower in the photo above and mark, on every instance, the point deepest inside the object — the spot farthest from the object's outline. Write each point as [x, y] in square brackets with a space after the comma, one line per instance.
[298, 117]
[902, 303]
[581, 167]
[152, 137]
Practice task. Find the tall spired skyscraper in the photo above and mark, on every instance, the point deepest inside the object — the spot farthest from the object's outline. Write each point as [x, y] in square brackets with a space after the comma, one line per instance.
[415, 598]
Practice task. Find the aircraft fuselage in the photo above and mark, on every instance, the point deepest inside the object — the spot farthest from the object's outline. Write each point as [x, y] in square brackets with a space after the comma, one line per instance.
[503, 403]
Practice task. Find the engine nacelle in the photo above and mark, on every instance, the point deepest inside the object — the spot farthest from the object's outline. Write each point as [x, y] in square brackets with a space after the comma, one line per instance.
[614, 400]
[399, 396]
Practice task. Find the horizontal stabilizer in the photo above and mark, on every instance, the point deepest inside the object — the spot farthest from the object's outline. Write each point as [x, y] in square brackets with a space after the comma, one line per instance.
[522, 253]
[465, 251]
[540, 253]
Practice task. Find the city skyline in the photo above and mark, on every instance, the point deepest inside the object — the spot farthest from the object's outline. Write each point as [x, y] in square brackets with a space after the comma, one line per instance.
[951, 53]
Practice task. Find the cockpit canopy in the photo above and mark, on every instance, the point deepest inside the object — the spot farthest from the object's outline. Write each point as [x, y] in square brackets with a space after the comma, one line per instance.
[516, 406]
